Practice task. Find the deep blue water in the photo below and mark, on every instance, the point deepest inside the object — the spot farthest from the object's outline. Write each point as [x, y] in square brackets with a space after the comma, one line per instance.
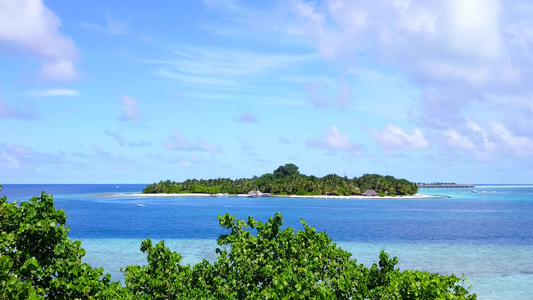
[487, 237]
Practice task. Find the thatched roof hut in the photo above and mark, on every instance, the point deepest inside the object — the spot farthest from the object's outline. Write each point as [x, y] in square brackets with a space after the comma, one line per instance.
[371, 193]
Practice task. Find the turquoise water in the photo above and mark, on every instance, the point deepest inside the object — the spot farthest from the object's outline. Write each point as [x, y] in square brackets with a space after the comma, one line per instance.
[489, 237]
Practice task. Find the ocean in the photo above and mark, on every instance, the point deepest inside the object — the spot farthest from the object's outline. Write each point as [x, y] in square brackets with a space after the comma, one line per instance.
[488, 237]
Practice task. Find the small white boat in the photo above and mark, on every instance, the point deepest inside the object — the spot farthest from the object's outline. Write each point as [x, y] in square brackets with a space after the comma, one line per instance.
[484, 193]
[140, 205]
[474, 191]
[493, 192]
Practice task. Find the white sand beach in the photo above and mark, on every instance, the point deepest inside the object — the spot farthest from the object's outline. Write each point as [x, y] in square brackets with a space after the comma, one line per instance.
[416, 196]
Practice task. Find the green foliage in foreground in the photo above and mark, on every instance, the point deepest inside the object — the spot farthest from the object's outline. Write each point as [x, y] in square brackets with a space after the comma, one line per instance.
[258, 261]
[286, 180]
[38, 259]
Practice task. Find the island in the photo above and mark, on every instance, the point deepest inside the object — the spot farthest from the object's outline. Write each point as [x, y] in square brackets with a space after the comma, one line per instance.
[444, 185]
[286, 180]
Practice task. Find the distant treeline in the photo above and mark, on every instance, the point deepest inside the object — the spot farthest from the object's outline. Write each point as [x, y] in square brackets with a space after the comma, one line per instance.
[286, 180]
[436, 183]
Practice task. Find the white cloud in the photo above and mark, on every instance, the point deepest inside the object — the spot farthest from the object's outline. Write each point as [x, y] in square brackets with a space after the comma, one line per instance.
[394, 137]
[55, 92]
[440, 70]
[458, 51]
[336, 141]
[185, 163]
[457, 141]
[473, 27]
[58, 70]
[28, 26]
[487, 143]
[516, 145]
[414, 18]
[130, 109]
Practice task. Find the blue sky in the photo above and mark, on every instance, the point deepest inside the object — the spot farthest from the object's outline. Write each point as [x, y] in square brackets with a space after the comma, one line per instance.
[139, 91]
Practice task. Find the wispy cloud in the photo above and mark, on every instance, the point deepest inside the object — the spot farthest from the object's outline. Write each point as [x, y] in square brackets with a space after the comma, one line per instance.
[250, 154]
[21, 157]
[32, 28]
[144, 143]
[322, 93]
[117, 161]
[284, 140]
[177, 97]
[189, 161]
[246, 118]
[16, 156]
[26, 113]
[130, 109]
[336, 141]
[221, 68]
[55, 93]
[178, 143]
[122, 141]
[248, 149]
[112, 25]
[394, 137]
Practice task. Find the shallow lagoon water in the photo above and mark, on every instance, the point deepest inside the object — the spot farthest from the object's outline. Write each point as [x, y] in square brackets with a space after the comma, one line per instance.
[489, 237]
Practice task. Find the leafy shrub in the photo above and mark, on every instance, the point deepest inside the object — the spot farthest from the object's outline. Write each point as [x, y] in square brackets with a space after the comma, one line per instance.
[38, 260]
[301, 192]
[275, 263]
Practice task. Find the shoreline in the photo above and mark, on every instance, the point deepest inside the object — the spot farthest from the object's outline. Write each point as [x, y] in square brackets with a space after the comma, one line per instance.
[139, 195]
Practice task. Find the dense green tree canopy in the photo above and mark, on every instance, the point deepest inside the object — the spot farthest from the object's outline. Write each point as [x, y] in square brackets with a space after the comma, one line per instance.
[256, 260]
[37, 259]
[286, 180]
[286, 171]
